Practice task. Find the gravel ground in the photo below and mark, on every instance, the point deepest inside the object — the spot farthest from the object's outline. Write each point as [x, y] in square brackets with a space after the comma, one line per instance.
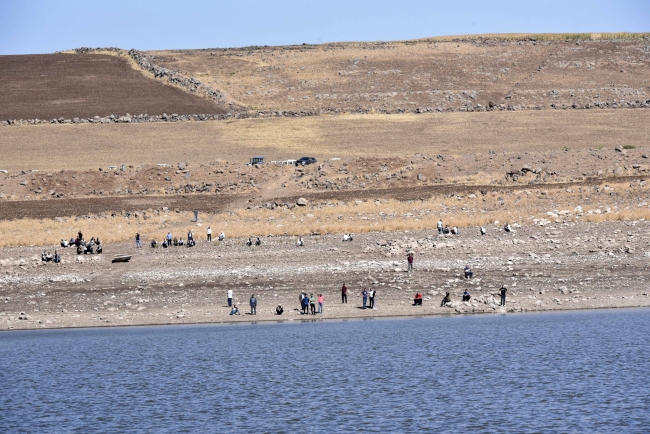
[552, 267]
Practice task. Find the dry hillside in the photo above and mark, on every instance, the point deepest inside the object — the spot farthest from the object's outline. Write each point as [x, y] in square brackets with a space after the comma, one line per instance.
[521, 73]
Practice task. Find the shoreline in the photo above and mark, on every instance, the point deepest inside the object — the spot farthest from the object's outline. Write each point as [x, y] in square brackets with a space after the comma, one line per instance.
[248, 321]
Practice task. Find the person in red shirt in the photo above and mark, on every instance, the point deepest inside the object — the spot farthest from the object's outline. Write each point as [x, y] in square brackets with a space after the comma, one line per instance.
[409, 258]
[344, 294]
[417, 300]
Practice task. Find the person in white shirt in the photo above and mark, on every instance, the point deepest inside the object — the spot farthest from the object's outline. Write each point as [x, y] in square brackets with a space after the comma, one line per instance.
[209, 233]
[230, 298]
[222, 236]
[440, 227]
[300, 243]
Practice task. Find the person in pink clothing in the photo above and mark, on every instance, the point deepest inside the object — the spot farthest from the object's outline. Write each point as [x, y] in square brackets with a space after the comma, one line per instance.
[321, 300]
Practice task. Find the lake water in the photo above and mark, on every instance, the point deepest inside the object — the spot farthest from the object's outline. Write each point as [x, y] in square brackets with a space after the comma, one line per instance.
[572, 372]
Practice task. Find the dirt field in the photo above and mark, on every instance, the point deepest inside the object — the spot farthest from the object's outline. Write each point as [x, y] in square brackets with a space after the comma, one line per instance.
[552, 267]
[55, 147]
[520, 73]
[50, 86]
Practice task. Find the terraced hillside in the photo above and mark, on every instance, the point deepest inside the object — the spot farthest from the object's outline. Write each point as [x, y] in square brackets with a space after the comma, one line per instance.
[467, 74]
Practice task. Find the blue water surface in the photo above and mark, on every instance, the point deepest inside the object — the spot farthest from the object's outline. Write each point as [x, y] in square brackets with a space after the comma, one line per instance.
[571, 372]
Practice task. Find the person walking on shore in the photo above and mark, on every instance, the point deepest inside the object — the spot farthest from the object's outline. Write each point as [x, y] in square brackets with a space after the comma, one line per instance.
[209, 234]
[364, 294]
[253, 305]
[137, 240]
[344, 294]
[503, 292]
[409, 259]
[230, 298]
[321, 300]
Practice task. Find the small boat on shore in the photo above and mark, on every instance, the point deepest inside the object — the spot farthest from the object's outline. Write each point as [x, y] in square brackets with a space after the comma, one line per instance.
[121, 258]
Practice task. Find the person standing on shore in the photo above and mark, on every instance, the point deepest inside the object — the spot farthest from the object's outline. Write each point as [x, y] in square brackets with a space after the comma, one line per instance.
[321, 300]
[503, 292]
[440, 227]
[409, 259]
[209, 234]
[344, 294]
[253, 305]
[304, 302]
[312, 304]
[137, 240]
[196, 215]
[371, 296]
[373, 300]
[364, 294]
[230, 298]
[169, 239]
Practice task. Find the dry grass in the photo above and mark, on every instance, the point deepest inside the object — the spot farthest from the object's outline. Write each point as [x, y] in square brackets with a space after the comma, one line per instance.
[539, 37]
[524, 207]
[52, 147]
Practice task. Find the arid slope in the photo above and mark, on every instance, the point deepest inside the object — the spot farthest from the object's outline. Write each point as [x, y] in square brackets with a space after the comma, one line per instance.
[459, 75]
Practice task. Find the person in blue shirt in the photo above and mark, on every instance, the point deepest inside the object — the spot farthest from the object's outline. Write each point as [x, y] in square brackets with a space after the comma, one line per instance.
[253, 305]
[364, 294]
[234, 310]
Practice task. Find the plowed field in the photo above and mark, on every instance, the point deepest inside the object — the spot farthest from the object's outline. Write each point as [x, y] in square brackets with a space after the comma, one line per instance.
[48, 86]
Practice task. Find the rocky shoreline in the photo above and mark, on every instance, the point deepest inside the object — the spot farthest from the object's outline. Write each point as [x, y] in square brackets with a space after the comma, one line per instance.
[562, 266]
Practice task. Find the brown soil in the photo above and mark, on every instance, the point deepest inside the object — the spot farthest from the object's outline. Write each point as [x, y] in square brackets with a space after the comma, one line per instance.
[50, 86]
[219, 185]
[520, 74]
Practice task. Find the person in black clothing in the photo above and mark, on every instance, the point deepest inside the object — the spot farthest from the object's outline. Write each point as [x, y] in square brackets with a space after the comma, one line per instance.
[258, 242]
[466, 296]
[445, 300]
[279, 310]
[503, 291]
[344, 294]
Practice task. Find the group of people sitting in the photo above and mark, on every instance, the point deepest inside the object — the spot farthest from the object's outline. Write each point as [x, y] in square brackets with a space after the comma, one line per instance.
[257, 242]
[417, 300]
[83, 246]
[48, 257]
[169, 241]
[444, 230]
